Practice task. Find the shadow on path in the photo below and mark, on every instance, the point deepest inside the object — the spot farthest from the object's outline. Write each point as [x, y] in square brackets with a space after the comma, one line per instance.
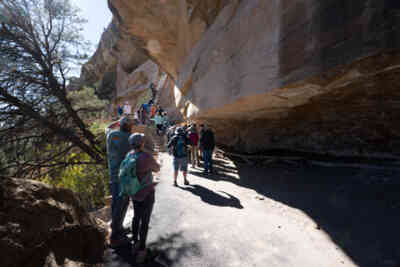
[173, 248]
[121, 255]
[359, 209]
[165, 251]
[213, 198]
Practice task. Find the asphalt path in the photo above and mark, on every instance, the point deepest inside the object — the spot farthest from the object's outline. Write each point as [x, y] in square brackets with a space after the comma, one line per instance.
[216, 222]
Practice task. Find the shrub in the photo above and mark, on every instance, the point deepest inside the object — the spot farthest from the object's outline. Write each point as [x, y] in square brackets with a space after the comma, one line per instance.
[89, 182]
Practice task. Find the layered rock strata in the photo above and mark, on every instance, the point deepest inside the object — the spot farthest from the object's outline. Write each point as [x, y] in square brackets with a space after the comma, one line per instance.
[305, 75]
[301, 75]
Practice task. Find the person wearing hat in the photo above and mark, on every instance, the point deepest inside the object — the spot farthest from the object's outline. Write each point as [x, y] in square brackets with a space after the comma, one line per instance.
[179, 144]
[117, 147]
[143, 201]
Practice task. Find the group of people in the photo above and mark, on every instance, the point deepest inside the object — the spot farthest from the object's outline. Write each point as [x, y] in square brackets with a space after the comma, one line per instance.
[121, 143]
[150, 112]
[146, 115]
[185, 143]
[124, 110]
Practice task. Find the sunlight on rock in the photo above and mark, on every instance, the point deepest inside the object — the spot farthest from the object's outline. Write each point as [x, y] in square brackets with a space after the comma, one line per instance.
[154, 46]
[178, 95]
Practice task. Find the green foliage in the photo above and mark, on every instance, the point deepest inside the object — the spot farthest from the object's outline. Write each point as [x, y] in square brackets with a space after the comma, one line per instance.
[98, 126]
[89, 182]
[40, 42]
[87, 104]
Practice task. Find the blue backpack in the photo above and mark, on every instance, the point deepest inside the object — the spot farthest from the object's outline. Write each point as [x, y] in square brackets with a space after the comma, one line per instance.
[129, 182]
[180, 147]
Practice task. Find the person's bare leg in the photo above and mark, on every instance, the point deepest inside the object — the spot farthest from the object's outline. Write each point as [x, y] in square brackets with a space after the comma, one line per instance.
[175, 177]
[184, 178]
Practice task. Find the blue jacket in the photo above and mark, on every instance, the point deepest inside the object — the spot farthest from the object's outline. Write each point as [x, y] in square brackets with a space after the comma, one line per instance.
[117, 148]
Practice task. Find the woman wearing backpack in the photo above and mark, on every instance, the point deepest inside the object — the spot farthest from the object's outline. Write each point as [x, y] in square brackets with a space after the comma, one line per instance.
[179, 144]
[143, 200]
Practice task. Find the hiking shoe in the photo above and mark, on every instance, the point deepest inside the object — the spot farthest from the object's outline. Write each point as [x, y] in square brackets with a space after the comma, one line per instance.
[135, 247]
[141, 256]
[116, 243]
[186, 182]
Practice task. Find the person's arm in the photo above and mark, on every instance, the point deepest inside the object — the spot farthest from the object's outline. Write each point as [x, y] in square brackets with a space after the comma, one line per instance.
[111, 126]
[154, 165]
[201, 141]
[212, 140]
[171, 142]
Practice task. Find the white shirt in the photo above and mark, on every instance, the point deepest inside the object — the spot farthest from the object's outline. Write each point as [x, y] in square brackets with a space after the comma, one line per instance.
[127, 109]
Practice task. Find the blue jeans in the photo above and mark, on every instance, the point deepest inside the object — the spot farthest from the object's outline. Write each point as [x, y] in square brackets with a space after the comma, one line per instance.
[207, 157]
[119, 206]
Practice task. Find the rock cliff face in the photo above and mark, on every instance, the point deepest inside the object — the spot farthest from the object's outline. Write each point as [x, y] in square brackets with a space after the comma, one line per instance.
[299, 75]
[115, 51]
[167, 30]
[41, 226]
[306, 75]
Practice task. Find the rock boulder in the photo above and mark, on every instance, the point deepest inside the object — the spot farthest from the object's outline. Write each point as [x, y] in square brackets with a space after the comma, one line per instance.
[44, 226]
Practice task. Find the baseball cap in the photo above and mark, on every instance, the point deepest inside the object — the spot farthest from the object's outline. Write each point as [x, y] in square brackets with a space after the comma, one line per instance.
[136, 139]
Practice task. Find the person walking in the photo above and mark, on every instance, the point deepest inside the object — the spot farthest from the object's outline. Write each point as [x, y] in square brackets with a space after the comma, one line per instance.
[120, 111]
[127, 109]
[194, 145]
[207, 144]
[179, 144]
[147, 112]
[143, 200]
[117, 146]
[153, 111]
[158, 120]
[200, 135]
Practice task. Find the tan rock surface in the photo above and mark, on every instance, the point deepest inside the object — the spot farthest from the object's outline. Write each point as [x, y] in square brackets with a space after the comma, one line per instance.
[264, 70]
[42, 226]
[115, 51]
[302, 75]
[136, 82]
[167, 29]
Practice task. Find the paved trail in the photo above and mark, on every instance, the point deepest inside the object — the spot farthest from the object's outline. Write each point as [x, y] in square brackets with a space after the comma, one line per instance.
[218, 222]
[277, 215]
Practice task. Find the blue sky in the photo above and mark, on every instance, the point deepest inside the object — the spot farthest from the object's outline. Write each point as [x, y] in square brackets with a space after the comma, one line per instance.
[98, 15]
